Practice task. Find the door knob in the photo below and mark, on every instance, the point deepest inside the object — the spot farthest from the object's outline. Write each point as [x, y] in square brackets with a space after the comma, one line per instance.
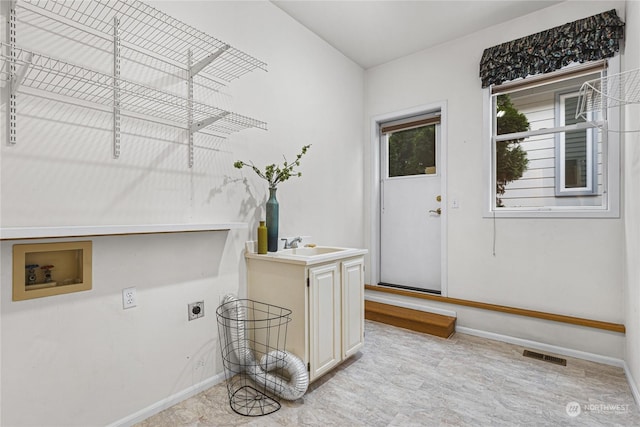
[436, 211]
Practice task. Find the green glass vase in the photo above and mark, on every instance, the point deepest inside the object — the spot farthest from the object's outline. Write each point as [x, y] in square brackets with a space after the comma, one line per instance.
[272, 221]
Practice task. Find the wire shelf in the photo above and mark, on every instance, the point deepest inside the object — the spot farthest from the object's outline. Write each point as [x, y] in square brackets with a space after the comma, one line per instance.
[146, 27]
[61, 78]
[610, 91]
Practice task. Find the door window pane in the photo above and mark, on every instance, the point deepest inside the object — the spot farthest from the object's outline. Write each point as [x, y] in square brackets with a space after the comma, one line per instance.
[412, 151]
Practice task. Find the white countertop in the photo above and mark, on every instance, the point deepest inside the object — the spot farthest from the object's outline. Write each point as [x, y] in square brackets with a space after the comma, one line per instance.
[290, 258]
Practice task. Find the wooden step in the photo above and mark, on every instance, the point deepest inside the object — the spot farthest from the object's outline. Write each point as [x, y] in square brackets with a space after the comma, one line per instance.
[416, 320]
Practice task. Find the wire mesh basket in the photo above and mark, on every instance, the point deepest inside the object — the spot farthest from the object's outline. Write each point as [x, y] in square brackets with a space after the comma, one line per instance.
[252, 341]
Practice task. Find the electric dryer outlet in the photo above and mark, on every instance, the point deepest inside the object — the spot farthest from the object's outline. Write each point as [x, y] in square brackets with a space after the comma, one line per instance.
[196, 310]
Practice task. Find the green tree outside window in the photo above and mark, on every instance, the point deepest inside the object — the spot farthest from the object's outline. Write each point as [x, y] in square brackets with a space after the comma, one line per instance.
[511, 159]
[412, 151]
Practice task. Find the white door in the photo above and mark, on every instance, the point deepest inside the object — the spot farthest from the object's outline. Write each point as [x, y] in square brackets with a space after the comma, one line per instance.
[410, 217]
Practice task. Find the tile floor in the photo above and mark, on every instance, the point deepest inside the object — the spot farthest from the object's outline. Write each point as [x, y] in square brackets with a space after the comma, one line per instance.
[404, 378]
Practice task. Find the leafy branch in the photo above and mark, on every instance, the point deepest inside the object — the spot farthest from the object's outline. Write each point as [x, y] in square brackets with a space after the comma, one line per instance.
[276, 174]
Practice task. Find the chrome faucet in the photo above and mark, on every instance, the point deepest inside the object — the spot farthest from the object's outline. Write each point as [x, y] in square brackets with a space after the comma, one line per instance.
[293, 244]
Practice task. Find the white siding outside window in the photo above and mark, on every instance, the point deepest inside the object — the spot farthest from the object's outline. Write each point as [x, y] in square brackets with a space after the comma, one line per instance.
[567, 171]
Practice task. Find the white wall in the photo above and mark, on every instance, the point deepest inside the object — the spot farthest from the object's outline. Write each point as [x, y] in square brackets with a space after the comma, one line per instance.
[632, 205]
[565, 266]
[80, 359]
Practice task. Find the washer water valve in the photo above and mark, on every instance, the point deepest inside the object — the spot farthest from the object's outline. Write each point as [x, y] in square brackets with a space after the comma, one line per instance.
[47, 273]
[31, 273]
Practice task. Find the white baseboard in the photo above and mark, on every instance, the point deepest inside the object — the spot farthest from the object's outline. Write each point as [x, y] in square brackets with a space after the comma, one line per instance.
[386, 299]
[578, 354]
[632, 384]
[165, 403]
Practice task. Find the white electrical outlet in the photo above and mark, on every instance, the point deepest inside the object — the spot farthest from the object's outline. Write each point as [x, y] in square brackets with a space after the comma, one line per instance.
[129, 298]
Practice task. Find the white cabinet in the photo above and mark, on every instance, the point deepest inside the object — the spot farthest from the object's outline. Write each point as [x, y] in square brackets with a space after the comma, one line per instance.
[325, 318]
[352, 306]
[327, 303]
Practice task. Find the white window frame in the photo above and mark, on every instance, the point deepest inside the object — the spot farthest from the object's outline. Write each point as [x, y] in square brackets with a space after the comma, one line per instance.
[591, 153]
[610, 207]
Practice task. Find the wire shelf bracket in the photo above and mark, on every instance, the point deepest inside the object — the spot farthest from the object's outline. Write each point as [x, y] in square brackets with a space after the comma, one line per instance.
[15, 79]
[18, 76]
[116, 88]
[202, 124]
[195, 69]
[11, 74]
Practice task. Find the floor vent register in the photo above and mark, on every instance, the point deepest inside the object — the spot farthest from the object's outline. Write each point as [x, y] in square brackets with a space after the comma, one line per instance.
[545, 357]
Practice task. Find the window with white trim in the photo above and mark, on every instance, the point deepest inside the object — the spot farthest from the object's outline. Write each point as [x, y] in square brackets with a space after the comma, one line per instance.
[545, 161]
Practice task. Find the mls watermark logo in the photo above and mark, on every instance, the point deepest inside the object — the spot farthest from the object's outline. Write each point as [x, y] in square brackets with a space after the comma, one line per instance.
[573, 409]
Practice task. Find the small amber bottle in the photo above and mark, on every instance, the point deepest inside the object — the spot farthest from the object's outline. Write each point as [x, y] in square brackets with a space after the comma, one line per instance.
[262, 238]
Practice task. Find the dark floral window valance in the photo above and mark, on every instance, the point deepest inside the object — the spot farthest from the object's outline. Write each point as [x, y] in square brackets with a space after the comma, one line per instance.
[589, 39]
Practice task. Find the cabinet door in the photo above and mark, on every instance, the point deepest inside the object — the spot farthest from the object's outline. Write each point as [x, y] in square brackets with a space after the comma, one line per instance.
[352, 306]
[324, 322]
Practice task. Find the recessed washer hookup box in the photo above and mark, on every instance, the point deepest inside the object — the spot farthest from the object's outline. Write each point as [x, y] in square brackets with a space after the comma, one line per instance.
[46, 269]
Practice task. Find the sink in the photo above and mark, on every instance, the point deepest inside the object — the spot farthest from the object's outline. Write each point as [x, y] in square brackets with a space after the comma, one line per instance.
[308, 256]
[309, 252]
